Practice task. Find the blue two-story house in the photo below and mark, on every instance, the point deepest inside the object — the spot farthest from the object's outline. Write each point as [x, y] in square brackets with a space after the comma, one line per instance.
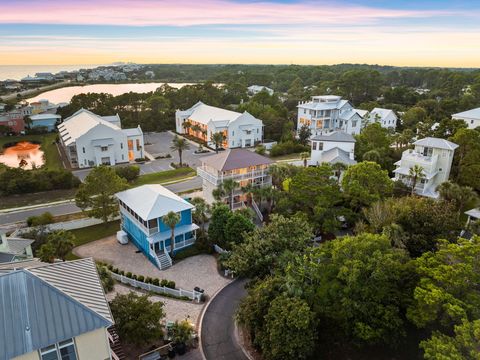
[141, 212]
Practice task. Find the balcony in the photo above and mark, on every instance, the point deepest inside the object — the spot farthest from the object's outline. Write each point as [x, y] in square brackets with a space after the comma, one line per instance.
[411, 157]
[217, 179]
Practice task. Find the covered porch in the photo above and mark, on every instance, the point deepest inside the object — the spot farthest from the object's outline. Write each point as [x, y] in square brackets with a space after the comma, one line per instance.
[185, 235]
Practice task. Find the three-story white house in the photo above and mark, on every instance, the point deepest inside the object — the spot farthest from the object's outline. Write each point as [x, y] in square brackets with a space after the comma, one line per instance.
[89, 140]
[202, 121]
[434, 156]
[243, 166]
[326, 113]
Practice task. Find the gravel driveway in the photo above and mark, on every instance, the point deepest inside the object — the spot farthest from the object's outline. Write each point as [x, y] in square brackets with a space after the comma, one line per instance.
[199, 270]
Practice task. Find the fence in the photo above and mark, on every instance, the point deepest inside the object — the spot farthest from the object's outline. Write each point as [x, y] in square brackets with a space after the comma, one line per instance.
[219, 250]
[64, 225]
[193, 295]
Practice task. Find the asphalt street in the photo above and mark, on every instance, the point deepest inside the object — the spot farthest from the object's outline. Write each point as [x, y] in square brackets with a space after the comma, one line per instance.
[69, 208]
[218, 324]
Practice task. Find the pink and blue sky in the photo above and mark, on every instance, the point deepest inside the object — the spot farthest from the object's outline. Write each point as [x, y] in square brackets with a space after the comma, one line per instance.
[410, 33]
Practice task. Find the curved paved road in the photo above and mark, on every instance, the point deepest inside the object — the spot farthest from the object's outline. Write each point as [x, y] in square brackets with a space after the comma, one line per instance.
[218, 338]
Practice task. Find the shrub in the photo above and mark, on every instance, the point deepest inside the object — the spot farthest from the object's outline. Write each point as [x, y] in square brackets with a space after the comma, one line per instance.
[105, 278]
[288, 147]
[164, 282]
[134, 277]
[261, 150]
[140, 278]
[43, 219]
[121, 272]
[129, 275]
[156, 282]
[129, 173]
[110, 267]
[115, 270]
[171, 284]
[148, 280]
[140, 160]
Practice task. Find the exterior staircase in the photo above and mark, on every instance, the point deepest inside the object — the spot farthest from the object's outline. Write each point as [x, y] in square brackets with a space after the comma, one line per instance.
[115, 344]
[164, 260]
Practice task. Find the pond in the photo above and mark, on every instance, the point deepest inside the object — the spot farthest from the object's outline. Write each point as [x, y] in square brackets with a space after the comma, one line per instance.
[65, 94]
[23, 154]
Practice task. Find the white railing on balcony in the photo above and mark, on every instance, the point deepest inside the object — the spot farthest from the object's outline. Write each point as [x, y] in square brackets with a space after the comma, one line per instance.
[218, 178]
[429, 163]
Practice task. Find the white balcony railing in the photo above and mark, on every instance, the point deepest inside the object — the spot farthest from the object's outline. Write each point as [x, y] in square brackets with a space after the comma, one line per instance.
[217, 179]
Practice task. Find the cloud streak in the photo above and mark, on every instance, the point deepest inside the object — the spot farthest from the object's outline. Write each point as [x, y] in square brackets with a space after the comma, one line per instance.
[205, 12]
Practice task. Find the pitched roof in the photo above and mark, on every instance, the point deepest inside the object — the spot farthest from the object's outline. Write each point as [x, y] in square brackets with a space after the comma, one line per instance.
[6, 257]
[35, 314]
[381, 112]
[337, 136]
[79, 124]
[153, 201]
[203, 114]
[133, 131]
[471, 114]
[235, 159]
[80, 280]
[337, 155]
[436, 143]
[17, 245]
[44, 117]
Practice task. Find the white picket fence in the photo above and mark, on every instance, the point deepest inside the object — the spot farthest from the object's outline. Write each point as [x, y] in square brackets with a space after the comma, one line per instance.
[219, 250]
[192, 295]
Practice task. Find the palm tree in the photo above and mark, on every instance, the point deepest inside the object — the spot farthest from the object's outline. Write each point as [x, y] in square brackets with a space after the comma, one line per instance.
[338, 167]
[460, 196]
[416, 172]
[304, 156]
[217, 138]
[171, 220]
[229, 187]
[196, 128]
[186, 125]
[201, 212]
[179, 144]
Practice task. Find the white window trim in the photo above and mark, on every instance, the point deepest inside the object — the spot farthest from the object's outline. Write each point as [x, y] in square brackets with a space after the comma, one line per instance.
[57, 347]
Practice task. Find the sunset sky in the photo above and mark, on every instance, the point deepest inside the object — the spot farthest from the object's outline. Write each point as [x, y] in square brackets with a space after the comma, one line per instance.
[412, 33]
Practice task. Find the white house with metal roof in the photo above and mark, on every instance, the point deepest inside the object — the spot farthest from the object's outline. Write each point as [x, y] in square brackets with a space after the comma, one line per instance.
[333, 147]
[434, 156]
[385, 117]
[54, 311]
[14, 249]
[90, 140]
[202, 121]
[326, 113]
[141, 212]
[255, 89]
[471, 117]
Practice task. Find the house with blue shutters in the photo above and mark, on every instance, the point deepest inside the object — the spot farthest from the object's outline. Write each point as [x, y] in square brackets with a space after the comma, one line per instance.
[141, 212]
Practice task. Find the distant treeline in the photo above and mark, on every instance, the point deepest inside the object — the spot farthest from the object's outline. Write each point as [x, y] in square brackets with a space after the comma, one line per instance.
[366, 86]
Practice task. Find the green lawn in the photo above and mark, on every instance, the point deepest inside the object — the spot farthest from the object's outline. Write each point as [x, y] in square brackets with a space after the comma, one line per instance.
[164, 176]
[48, 146]
[92, 233]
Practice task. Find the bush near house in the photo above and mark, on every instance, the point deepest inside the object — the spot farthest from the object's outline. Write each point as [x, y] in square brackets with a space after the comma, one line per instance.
[288, 147]
[43, 219]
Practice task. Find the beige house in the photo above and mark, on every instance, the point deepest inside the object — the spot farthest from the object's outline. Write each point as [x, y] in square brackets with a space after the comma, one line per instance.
[243, 166]
[54, 311]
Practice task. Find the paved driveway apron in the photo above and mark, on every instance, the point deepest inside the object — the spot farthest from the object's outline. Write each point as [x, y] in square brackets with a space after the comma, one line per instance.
[218, 329]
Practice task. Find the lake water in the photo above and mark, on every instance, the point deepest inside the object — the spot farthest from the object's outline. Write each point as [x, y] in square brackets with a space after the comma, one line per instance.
[24, 153]
[64, 95]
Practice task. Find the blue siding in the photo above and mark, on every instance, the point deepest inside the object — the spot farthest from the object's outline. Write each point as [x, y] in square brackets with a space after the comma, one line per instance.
[138, 237]
[186, 219]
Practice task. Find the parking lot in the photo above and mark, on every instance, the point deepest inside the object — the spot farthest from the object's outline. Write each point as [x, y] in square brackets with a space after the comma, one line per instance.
[158, 144]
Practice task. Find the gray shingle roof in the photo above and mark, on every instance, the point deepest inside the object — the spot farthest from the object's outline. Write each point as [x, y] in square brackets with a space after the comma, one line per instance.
[235, 159]
[18, 245]
[35, 314]
[338, 136]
